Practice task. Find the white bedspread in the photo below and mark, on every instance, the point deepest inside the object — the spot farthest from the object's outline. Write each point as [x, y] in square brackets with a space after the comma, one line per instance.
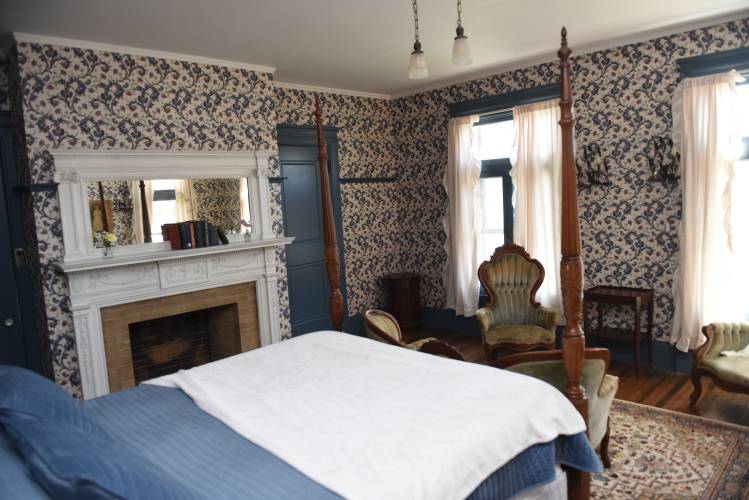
[373, 421]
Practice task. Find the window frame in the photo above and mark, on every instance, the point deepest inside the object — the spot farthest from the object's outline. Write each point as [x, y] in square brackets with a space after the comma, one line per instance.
[500, 167]
[745, 139]
[493, 109]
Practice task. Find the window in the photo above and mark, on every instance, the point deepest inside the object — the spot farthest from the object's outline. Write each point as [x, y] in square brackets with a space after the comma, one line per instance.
[740, 207]
[495, 139]
[164, 205]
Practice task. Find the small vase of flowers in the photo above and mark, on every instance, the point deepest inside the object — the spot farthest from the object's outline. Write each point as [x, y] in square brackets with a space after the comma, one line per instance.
[247, 229]
[106, 240]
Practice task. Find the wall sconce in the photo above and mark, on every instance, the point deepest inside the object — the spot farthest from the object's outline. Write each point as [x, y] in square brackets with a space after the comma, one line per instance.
[662, 160]
[593, 167]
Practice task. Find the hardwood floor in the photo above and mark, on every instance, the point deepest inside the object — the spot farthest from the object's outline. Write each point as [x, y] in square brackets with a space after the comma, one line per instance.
[654, 387]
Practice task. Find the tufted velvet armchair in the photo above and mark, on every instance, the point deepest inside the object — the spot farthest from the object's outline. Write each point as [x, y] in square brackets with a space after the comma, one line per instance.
[383, 327]
[513, 319]
[600, 387]
[730, 373]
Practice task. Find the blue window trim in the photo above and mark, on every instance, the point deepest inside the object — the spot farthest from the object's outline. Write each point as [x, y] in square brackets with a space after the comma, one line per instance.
[506, 101]
[501, 168]
[718, 62]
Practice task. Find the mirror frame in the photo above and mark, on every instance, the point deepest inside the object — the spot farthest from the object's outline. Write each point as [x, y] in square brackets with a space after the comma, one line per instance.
[75, 168]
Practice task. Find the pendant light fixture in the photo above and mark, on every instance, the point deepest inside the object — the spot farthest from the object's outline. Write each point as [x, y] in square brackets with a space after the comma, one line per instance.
[461, 49]
[417, 67]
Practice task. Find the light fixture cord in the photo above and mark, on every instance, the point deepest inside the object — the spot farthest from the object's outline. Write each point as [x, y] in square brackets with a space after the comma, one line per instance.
[416, 21]
[460, 13]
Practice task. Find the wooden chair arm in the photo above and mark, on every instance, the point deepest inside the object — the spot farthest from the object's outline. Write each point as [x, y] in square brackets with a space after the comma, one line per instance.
[700, 352]
[439, 348]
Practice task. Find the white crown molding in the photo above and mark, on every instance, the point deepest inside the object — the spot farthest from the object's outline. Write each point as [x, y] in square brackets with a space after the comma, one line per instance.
[675, 27]
[330, 90]
[124, 49]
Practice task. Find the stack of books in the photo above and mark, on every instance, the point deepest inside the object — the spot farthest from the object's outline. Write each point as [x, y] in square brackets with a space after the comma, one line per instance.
[193, 234]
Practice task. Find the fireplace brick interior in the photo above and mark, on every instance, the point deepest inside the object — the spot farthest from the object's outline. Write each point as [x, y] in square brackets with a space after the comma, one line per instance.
[156, 337]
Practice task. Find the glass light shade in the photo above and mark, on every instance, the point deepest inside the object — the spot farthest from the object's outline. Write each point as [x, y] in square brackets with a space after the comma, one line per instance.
[417, 68]
[461, 51]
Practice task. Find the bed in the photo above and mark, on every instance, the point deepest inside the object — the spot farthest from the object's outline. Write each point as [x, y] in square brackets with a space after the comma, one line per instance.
[383, 422]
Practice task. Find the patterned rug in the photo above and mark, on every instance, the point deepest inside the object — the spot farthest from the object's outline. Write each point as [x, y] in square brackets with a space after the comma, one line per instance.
[659, 454]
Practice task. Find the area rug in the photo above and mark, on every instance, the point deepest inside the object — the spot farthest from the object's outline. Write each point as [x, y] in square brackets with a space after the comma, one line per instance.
[660, 454]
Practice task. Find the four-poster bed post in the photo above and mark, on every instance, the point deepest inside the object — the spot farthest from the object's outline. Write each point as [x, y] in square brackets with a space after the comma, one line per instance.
[571, 273]
[144, 212]
[332, 261]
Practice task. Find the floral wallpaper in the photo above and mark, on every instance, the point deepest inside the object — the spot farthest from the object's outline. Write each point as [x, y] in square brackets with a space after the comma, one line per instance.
[118, 193]
[75, 98]
[622, 100]
[372, 236]
[218, 202]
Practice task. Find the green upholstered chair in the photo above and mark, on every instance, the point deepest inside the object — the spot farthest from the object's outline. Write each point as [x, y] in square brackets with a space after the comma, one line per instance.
[730, 373]
[383, 327]
[600, 387]
[512, 319]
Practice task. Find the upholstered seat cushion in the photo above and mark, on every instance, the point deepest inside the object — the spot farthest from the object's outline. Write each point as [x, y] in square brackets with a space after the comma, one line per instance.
[600, 388]
[731, 369]
[531, 334]
[417, 345]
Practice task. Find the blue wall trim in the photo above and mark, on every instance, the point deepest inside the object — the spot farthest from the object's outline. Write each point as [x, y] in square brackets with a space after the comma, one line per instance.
[718, 62]
[503, 102]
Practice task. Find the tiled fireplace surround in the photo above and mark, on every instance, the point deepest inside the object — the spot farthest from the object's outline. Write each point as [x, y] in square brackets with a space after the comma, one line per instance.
[233, 326]
[108, 294]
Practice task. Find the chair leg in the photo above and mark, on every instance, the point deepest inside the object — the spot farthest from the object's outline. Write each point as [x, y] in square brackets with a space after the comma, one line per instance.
[489, 352]
[605, 446]
[697, 392]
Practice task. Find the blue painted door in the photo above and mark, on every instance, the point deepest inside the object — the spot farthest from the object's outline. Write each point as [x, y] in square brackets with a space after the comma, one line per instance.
[302, 209]
[18, 341]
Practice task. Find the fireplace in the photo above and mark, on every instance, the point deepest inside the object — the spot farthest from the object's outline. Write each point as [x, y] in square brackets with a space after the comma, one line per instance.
[151, 338]
[107, 295]
[165, 345]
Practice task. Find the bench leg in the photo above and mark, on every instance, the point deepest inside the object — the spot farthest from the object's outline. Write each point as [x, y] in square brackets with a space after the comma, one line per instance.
[605, 446]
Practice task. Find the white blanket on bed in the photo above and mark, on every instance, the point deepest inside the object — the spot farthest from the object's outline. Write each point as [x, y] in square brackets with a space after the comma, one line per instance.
[372, 421]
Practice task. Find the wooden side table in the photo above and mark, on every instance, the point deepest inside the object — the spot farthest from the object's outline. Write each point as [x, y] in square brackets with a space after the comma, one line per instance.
[626, 296]
[403, 295]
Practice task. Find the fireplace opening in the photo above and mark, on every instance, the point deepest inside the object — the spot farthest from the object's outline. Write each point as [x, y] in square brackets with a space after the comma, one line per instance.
[165, 345]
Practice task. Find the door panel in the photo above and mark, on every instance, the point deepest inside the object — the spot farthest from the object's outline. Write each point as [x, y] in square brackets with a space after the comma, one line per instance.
[302, 208]
[17, 342]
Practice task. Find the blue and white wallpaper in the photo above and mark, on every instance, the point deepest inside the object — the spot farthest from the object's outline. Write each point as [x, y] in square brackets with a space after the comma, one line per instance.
[74, 98]
[622, 100]
[86, 99]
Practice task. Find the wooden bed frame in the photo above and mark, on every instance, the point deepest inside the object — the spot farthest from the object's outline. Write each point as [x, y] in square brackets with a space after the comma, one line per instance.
[571, 274]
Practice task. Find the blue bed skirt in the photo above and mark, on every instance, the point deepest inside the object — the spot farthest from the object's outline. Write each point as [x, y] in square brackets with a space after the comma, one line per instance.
[212, 461]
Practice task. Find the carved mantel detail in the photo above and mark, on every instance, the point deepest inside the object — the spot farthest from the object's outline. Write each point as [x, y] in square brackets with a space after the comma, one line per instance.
[153, 270]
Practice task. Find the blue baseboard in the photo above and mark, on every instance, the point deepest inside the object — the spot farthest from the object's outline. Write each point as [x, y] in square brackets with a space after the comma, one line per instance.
[665, 356]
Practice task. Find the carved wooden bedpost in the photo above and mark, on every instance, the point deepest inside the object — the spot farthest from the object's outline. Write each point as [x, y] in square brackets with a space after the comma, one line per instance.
[332, 262]
[573, 341]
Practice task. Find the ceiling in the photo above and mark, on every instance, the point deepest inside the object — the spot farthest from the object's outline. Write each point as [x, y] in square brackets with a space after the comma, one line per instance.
[361, 45]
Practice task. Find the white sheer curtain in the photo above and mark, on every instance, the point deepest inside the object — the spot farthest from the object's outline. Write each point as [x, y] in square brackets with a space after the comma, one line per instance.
[137, 211]
[186, 206]
[537, 177]
[244, 199]
[461, 223]
[706, 135]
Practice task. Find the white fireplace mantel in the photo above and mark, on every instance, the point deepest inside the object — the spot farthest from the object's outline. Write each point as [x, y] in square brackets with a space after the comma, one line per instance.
[142, 272]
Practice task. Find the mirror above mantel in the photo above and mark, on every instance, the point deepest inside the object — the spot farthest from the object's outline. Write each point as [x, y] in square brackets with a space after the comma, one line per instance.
[108, 191]
[135, 211]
